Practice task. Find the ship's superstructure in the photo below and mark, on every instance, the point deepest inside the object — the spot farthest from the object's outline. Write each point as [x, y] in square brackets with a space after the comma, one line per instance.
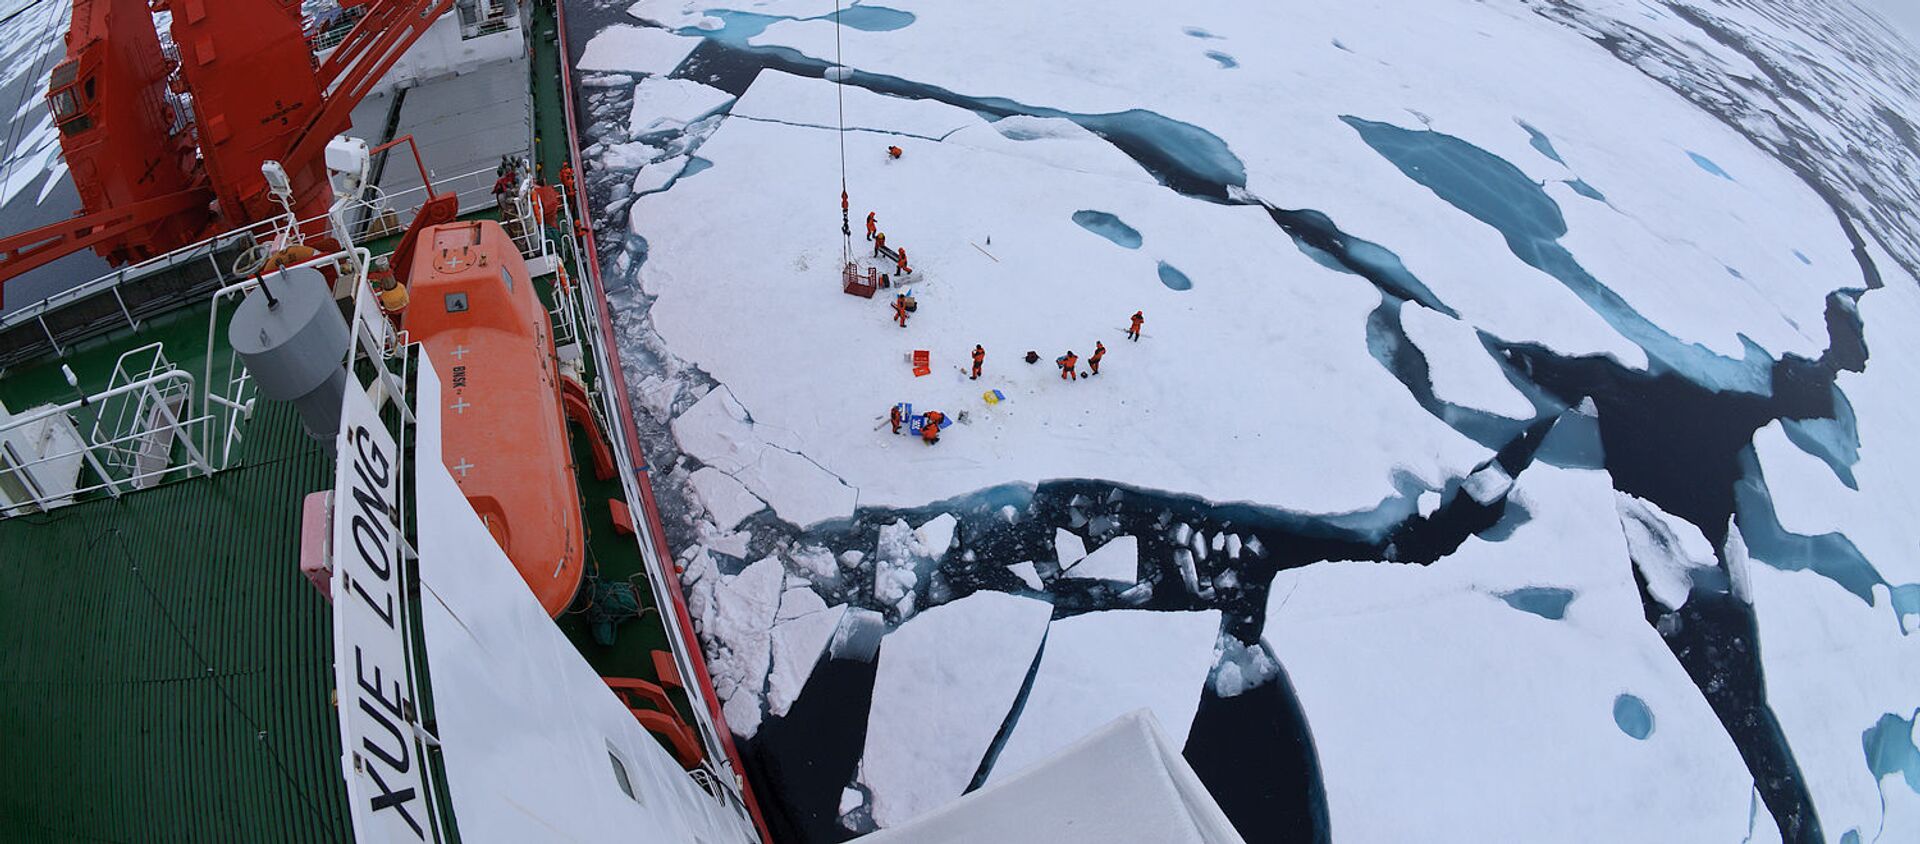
[289, 560]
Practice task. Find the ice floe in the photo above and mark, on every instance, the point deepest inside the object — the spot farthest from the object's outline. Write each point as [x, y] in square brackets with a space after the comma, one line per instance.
[1099, 666]
[1003, 264]
[635, 49]
[1462, 372]
[1117, 561]
[667, 105]
[1506, 709]
[945, 683]
[1664, 548]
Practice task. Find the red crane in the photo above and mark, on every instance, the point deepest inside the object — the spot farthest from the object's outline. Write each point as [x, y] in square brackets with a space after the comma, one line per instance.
[151, 180]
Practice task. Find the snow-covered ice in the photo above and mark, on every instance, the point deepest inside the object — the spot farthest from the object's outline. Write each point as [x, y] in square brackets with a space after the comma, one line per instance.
[666, 105]
[1487, 484]
[797, 647]
[1833, 666]
[1027, 574]
[1664, 548]
[1134, 423]
[1099, 666]
[1474, 721]
[718, 431]
[737, 635]
[1118, 561]
[945, 683]
[1462, 372]
[1068, 548]
[726, 500]
[635, 49]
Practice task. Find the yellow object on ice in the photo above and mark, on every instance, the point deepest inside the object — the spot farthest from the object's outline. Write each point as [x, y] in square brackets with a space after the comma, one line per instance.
[993, 396]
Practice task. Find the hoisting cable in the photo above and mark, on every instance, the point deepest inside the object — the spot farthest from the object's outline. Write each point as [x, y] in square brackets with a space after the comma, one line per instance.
[846, 225]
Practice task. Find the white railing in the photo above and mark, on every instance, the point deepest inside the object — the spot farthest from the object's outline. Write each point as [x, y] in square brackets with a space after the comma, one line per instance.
[174, 425]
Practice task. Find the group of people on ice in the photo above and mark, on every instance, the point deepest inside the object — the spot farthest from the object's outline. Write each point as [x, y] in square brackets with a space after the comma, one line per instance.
[904, 306]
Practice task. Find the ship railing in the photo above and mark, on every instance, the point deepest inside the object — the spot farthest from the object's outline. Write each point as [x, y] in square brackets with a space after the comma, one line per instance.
[123, 298]
[128, 413]
[383, 213]
[490, 17]
[165, 436]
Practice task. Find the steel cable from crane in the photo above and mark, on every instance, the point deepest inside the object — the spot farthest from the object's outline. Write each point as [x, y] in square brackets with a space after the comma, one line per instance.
[839, 71]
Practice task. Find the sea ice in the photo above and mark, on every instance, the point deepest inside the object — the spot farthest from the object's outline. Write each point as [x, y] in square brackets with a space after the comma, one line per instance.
[738, 642]
[1068, 548]
[1462, 372]
[635, 49]
[945, 683]
[1117, 561]
[668, 105]
[1101, 665]
[726, 500]
[1664, 548]
[1028, 575]
[1512, 713]
[1487, 484]
[797, 645]
[1038, 285]
[1833, 666]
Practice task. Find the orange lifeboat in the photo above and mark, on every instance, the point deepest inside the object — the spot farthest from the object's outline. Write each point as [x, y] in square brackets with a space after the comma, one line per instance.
[503, 426]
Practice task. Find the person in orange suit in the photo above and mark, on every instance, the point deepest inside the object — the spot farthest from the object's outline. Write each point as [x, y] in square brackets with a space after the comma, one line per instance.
[900, 267]
[895, 418]
[873, 225]
[549, 201]
[1133, 331]
[979, 357]
[900, 309]
[893, 152]
[879, 243]
[566, 178]
[930, 427]
[1093, 363]
[1067, 363]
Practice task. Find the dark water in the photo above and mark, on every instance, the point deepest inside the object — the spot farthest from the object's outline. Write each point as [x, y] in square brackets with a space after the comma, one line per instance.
[1662, 436]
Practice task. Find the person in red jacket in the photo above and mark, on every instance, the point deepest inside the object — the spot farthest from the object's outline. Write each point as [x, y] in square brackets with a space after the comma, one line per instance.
[893, 152]
[1133, 331]
[930, 426]
[1067, 363]
[895, 417]
[900, 267]
[900, 309]
[566, 178]
[979, 357]
[1093, 363]
[873, 225]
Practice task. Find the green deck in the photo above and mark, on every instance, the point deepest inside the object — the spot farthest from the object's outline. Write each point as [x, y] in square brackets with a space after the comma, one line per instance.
[167, 671]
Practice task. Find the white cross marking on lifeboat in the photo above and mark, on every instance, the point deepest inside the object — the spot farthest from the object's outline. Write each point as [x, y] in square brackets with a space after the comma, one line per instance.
[462, 467]
[461, 406]
[460, 352]
[453, 263]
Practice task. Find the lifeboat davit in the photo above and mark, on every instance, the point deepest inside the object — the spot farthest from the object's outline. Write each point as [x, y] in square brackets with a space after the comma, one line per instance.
[503, 425]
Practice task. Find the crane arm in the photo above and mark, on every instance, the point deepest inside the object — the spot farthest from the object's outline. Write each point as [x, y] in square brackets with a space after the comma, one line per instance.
[389, 28]
[29, 250]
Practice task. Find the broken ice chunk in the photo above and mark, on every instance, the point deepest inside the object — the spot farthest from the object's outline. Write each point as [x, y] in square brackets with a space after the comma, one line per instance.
[945, 683]
[1428, 503]
[665, 105]
[1117, 561]
[859, 634]
[1068, 548]
[798, 600]
[1664, 548]
[1256, 547]
[1200, 545]
[726, 499]
[1080, 685]
[1188, 574]
[1487, 484]
[1139, 594]
[1233, 546]
[797, 645]
[1027, 575]
[936, 536]
[1182, 532]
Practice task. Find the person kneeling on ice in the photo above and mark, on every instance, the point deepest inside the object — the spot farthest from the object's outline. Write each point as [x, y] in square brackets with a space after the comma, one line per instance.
[1099, 351]
[900, 309]
[893, 153]
[1067, 362]
[930, 426]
